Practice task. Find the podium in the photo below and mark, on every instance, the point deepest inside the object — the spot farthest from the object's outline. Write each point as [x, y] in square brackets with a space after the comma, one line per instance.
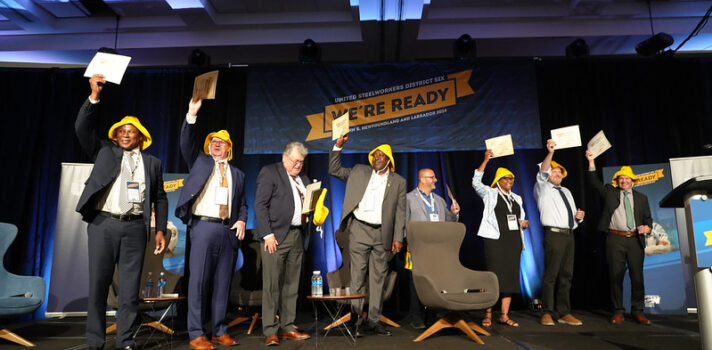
[695, 195]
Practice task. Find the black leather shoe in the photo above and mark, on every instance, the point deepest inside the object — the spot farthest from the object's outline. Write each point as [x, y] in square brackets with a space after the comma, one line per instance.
[380, 330]
[363, 329]
[417, 324]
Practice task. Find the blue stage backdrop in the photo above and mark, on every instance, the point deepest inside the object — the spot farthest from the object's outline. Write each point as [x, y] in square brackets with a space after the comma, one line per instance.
[664, 283]
[421, 106]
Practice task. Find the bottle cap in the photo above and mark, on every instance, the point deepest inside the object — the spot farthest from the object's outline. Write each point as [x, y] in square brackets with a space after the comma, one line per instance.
[316, 271]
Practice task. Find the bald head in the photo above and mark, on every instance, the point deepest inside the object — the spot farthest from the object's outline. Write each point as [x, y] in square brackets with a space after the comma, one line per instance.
[426, 180]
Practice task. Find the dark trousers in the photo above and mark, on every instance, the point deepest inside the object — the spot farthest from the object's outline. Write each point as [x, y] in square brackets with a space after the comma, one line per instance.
[212, 262]
[280, 283]
[415, 308]
[622, 251]
[559, 270]
[367, 252]
[114, 242]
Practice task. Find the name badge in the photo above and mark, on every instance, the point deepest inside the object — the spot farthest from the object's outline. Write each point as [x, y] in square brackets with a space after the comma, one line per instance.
[221, 196]
[512, 222]
[434, 217]
[132, 192]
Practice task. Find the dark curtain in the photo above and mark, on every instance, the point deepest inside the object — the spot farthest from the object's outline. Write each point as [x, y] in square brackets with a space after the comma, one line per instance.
[650, 109]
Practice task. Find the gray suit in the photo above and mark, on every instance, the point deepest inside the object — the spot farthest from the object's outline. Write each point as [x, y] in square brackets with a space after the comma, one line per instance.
[416, 208]
[370, 246]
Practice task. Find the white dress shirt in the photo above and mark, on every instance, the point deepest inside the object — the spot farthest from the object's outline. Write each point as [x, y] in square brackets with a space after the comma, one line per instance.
[551, 206]
[110, 202]
[205, 204]
[369, 208]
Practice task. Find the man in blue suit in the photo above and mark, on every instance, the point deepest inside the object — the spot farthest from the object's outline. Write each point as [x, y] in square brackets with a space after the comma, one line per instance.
[212, 204]
[123, 186]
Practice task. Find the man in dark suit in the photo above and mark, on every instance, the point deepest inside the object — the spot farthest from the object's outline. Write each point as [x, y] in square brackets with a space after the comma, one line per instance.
[281, 226]
[123, 186]
[374, 215]
[212, 205]
[626, 221]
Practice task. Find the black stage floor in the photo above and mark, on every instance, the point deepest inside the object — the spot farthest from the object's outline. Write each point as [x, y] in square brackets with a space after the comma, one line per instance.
[667, 332]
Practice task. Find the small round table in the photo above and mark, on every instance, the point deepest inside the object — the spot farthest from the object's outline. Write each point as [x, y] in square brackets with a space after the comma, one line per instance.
[334, 305]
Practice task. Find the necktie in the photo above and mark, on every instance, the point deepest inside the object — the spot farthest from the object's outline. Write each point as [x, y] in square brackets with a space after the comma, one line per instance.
[223, 183]
[126, 177]
[628, 212]
[301, 197]
[568, 207]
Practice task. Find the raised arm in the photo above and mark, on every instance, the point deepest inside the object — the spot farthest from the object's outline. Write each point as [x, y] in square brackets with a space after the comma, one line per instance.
[335, 168]
[85, 125]
[593, 180]
[189, 148]
[477, 184]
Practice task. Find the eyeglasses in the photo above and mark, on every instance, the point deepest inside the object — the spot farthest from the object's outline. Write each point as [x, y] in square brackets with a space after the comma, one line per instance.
[507, 178]
[295, 161]
[218, 142]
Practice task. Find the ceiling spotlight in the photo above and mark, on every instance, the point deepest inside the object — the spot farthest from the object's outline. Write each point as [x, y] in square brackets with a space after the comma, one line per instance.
[464, 47]
[655, 44]
[578, 48]
[199, 58]
[309, 52]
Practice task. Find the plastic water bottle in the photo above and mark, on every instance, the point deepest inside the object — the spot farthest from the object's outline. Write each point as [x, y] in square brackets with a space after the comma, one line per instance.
[161, 285]
[319, 284]
[313, 283]
[148, 292]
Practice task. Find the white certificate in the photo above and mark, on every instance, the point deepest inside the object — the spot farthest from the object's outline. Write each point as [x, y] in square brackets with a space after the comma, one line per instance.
[111, 66]
[204, 85]
[340, 126]
[566, 137]
[311, 195]
[598, 144]
[500, 145]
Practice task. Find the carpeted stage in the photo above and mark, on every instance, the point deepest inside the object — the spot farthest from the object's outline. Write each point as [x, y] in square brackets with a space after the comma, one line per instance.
[666, 332]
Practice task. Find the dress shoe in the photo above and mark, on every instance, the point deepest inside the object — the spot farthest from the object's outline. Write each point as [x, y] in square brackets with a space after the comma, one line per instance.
[617, 318]
[570, 320]
[201, 343]
[642, 319]
[225, 339]
[546, 320]
[272, 339]
[294, 335]
[363, 328]
[380, 330]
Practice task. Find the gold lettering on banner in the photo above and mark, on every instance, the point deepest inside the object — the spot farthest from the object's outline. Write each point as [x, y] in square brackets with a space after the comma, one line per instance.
[649, 177]
[170, 186]
[439, 93]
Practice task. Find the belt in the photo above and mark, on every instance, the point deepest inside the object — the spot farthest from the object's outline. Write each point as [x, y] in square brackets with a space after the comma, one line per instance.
[295, 227]
[558, 229]
[368, 224]
[225, 222]
[121, 217]
[623, 233]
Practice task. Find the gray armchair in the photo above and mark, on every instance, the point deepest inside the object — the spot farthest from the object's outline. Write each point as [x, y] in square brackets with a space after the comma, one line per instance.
[18, 294]
[442, 282]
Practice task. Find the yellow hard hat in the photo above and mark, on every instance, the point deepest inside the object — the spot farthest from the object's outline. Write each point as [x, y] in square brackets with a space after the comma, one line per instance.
[320, 211]
[625, 171]
[129, 119]
[501, 172]
[557, 165]
[223, 135]
[386, 149]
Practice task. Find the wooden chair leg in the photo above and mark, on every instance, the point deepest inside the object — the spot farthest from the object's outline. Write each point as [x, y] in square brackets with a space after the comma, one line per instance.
[463, 326]
[388, 321]
[341, 320]
[440, 324]
[159, 326]
[475, 327]
[6, 334]
[255, 317]
[111, 329]
[238, 321]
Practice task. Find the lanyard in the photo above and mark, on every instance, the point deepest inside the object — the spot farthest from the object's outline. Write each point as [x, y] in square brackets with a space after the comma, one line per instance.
[430, 204]
[507, 198]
